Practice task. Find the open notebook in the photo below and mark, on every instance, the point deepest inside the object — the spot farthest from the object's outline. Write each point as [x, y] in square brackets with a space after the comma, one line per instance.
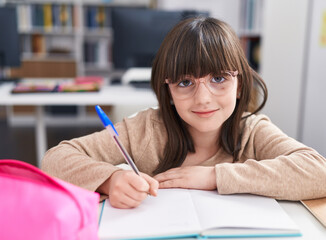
[193, 213]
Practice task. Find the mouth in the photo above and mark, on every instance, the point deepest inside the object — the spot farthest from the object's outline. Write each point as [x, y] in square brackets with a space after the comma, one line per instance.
[207, 113]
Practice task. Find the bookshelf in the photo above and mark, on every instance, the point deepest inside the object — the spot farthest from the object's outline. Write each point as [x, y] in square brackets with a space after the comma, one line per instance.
[97, 38]
[48, 30]
[250, 30]
[65, 39]
[76, 30]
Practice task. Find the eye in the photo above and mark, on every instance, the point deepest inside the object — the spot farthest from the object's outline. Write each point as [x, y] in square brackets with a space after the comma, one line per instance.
[219, 79]
[185, 83]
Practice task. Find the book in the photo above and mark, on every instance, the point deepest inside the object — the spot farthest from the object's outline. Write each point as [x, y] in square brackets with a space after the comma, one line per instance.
[38, 44]
[47, 9]
[318, 208]
[184, 213]
[78, 84]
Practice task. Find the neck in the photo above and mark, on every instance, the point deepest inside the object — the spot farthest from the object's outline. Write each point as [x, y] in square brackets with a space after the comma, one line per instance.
[207, 141]
[206, 146]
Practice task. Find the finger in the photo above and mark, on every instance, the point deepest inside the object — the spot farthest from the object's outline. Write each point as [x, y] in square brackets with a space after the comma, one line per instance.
[170, 174]
[123, 201]
[134, 194]
[139, 183]
[128, 202]
[118, 204]
[153, 184]
[121, 205]
[173, 183]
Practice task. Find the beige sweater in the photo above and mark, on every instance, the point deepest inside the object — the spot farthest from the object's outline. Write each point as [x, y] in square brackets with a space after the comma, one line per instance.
[271, 163]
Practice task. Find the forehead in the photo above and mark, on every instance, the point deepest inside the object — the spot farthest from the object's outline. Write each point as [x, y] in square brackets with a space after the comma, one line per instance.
[192, 77]
[199, 52]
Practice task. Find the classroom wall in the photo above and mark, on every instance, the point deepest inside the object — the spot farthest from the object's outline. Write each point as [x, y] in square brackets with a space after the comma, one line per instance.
[282, 60]
[312, 129]
[293, 66]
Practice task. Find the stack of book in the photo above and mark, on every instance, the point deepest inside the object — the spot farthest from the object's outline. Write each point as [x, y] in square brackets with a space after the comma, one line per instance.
[79, 84]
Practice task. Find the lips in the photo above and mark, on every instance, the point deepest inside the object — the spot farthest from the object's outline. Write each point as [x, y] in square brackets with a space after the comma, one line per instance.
[206, 113]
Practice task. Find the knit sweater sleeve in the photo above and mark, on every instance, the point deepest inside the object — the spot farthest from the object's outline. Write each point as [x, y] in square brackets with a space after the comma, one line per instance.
[273, 165]
[90, 160]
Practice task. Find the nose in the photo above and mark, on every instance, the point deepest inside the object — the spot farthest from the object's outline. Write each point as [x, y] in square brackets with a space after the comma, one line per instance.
[202, 94]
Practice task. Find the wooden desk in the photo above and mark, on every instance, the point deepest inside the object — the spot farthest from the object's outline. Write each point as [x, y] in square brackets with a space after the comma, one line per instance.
[109, 95]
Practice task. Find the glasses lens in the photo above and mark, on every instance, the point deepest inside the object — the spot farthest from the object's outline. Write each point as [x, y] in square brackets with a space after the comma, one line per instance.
[219, 85]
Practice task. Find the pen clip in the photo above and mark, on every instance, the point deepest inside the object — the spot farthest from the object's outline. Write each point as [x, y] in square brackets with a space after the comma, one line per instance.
[104, 118]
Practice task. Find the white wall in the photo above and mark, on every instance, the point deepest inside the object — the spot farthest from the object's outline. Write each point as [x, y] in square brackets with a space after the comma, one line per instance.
[313, 129]
[283, 45]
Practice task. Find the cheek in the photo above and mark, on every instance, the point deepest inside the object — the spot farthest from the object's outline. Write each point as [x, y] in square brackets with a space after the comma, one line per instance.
[181, 106]
[228, 101]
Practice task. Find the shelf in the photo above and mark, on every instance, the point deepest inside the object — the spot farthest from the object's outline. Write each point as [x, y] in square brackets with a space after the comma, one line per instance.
[41, 1]
[47, 56]
[64, 31]
[113, 3]
[98, 32]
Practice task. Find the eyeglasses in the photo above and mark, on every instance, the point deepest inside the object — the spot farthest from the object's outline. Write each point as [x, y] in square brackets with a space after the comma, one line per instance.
[218, 85]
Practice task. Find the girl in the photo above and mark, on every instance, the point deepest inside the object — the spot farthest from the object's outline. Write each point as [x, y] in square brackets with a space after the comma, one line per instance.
[202, 136]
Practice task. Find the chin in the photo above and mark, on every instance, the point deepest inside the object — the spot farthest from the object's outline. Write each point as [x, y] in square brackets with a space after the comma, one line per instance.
[207, 128]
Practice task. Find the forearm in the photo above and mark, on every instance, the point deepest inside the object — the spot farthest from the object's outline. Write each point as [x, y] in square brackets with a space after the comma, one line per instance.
[295, 177]
[71, 165]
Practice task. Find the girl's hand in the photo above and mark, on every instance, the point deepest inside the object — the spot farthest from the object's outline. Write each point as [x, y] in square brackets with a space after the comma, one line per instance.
[127, 190]
[195, 177]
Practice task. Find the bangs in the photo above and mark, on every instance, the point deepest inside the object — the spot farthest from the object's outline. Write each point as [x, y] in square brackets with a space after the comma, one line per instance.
[201, 48]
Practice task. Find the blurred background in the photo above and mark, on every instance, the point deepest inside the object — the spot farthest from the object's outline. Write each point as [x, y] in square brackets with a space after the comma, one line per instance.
[284, 40]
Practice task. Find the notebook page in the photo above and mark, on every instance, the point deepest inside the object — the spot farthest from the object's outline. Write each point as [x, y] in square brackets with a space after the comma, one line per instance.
[240, 211]
[170, 213]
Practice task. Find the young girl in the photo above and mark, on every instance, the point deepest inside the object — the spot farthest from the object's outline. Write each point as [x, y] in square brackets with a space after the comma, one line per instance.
[202, 136]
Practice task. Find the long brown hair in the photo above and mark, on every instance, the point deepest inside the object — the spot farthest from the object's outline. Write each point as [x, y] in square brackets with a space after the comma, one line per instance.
[198, 47]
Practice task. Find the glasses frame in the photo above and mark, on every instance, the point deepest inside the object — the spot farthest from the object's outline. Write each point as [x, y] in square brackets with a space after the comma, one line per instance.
[233, 74]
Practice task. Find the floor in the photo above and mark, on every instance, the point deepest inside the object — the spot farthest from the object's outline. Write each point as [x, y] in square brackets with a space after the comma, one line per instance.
[19, 142]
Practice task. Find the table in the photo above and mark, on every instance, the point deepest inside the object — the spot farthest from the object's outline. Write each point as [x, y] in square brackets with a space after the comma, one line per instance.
[108, 95]
[310, 227]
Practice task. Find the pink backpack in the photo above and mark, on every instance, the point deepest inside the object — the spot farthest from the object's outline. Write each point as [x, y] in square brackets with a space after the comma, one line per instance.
[37, 206]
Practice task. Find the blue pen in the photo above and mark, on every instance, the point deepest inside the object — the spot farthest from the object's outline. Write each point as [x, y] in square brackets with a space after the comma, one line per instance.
[113, 132]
